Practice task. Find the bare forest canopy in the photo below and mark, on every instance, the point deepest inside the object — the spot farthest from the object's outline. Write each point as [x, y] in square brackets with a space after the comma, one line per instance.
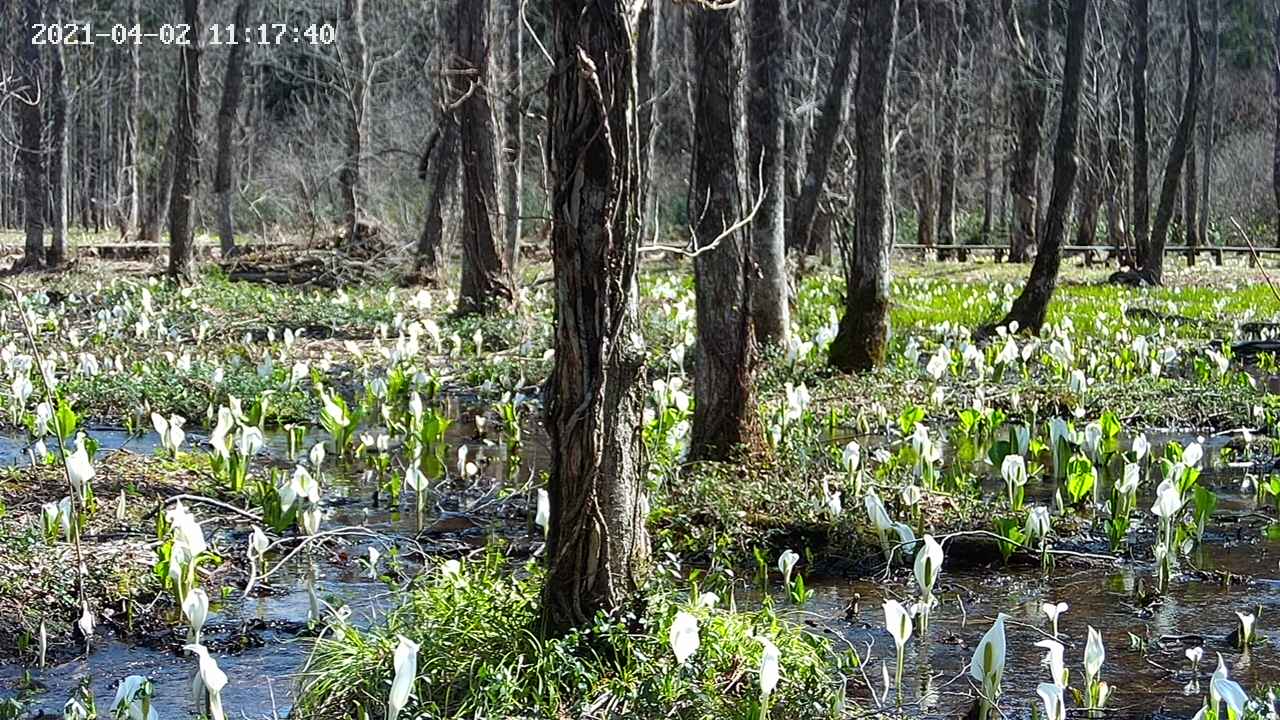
[345, 111]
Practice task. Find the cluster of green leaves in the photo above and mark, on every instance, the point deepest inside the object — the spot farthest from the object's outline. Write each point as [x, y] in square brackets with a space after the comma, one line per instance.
[482, 655]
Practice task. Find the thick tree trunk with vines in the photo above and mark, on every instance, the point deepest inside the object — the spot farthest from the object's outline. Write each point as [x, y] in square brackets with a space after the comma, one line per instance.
[835, 112]
[863, 334]
[597, 548]
[1032, 304]
[186, 151]
[223, 180]
[1152, 266]
[31, 151]
[485, 284]
[767, 165]
[724, 416]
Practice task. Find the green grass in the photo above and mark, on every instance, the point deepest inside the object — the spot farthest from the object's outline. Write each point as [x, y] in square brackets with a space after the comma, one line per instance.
[482, 655]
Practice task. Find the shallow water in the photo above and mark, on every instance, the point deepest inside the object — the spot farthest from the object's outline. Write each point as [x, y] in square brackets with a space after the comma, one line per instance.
[264, 678]
[935, 687]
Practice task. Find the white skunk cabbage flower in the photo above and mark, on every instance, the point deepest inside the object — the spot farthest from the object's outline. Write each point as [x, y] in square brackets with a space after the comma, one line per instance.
[195, 607]
[209, 680]
[543, 515]
[1054, 658]
[132, 695]
[1054, 704]
[1094, 655]
[770, 667]
[987, 666]
[898, 622]
[405, 663]
[170, 431]
[1053, 611]
[683, 636]
[79, 468]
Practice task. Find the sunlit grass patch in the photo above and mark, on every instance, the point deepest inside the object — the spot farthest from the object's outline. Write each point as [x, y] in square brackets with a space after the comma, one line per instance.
[481, 655]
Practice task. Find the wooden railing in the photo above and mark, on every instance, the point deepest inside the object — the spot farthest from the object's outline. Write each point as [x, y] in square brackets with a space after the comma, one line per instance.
[1108, 252]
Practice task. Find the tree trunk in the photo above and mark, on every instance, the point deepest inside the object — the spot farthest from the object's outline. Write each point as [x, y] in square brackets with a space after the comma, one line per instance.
[724, 415]
[439, 168]
[1031, 305]
[57, 253]
[950, 132]
[597, 546]
[513, 164]
[133, 109]
[485, 285]
[647, 61]
[1275, 155]
[1153, 265]
[1140, 21]
[186, 150]
[1207, 131]
[835, 111]
[356, 70]
[232, 86]
[31, 150]
[863, 334]
[1190, 204]
[1029, 97]
[926, 210]
[767, 165]
[159, 193]
[1089, 204]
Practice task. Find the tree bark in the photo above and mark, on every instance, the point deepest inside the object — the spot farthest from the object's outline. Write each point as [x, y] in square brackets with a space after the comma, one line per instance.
[1190, 203]
[724, 416]
[1140, 21]
[31, 150]
[232, 86]
[835, 111]
[186, 151]
[485, 285]
[356, 70]
[1275, 156]
[767, 164]
[159, 194]
[1029, 97]
[133, 108]
[1032, 303]
[597, 546]
[513, 153]
[647, 59]
[1208, 131]
[1153, 264]
[56, 255]
[439, 169]
[950, 132]
[926, 208]
[863, 333]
